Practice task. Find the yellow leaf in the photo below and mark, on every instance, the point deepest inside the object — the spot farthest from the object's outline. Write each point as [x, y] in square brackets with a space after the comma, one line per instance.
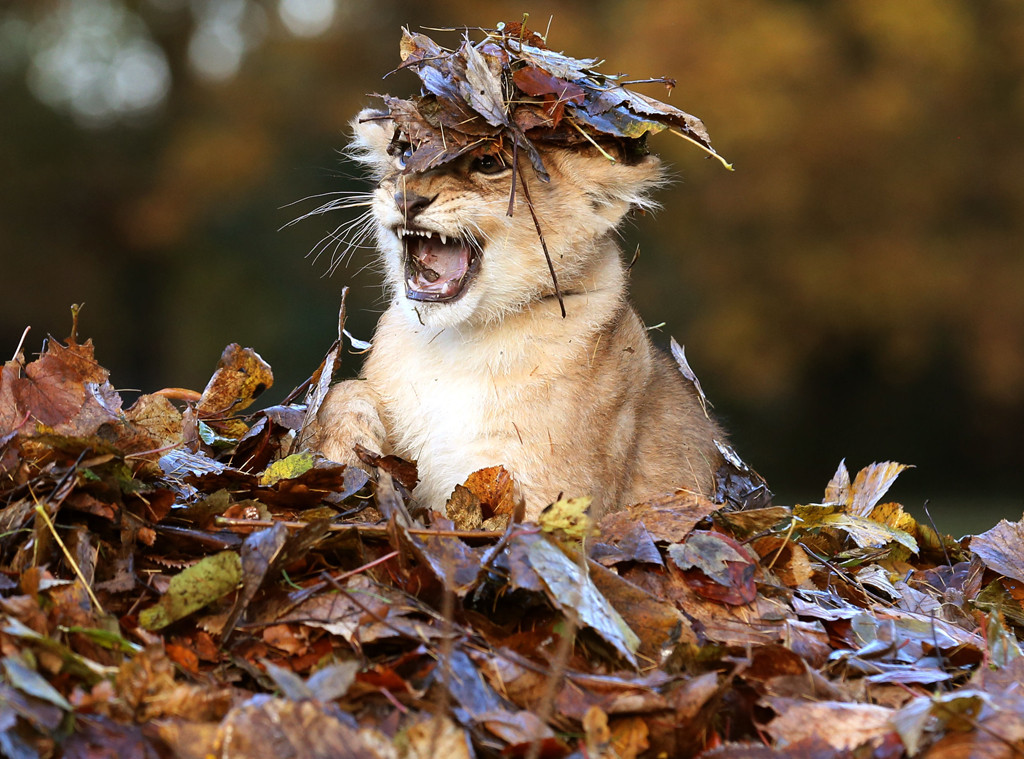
[287, 468]
[569, 516]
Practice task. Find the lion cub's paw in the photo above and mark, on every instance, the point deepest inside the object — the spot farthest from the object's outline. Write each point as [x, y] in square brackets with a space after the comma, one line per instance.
[348, 416]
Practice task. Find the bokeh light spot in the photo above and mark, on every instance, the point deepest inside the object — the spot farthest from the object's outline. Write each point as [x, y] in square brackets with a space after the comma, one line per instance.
[307, 18]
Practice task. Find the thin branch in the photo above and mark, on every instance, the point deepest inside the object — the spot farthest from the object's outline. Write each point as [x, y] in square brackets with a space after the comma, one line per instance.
[543, 243]
[369, 530]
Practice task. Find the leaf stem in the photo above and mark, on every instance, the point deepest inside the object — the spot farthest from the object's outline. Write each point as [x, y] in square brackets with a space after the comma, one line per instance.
[706, 148]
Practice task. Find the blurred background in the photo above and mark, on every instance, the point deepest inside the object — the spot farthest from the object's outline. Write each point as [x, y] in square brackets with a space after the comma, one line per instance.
[855, 289]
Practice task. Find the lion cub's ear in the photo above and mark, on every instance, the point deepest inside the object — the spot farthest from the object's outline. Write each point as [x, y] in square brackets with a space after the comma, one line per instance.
[372, 132]
[615, 187]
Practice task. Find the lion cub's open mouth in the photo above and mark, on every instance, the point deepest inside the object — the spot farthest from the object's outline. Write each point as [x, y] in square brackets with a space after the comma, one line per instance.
[436, 268]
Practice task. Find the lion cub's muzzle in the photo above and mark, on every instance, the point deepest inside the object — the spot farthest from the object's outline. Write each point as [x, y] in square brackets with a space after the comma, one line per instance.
[438, 266]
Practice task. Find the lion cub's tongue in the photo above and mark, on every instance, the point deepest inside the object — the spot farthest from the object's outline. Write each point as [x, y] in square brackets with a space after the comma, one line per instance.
[435, 270]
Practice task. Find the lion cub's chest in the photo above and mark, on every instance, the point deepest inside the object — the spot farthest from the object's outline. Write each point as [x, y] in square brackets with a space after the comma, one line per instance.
[456, 407]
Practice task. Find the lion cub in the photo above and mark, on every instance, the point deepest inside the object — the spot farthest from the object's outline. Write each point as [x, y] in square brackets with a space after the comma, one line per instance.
[473, 363]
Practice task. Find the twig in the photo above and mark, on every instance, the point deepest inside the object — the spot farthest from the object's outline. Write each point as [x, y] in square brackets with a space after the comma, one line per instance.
[21, 344]
[370, 530]
[515, 173]
[785, 542]
[935, 527]
[543, 243]
[703, 147]
[592, 141]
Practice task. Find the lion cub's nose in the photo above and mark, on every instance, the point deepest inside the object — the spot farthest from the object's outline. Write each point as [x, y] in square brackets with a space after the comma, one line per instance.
[410, 203]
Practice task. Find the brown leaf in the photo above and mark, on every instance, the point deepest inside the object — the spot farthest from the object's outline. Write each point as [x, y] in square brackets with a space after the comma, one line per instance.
[1002, 549]
[259, 553]
[12, 416]
[496, 489]
[54, 392]
[241, 376]
[303, 729]
[518, 729]
[613, 694]
[744, 524]
[452, 562]
[758, 622]
[629, 738]
[636, 545]
[535, 81]
[482, 86]
[155, 424]
[311, 488]
[669, 518]
[520, 31]
[82, 501]
[436, 738]
[721, 568]
[737, 484]
[557, 93]
[401, 470]
[786, 558]
[596, 732]
[183, 657]
[838, 488]
[658, 624]
[464, 509]
[843, 726]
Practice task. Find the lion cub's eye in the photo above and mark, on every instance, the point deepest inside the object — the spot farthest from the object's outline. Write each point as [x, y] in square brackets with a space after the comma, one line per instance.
[489, 164]
[404, 157]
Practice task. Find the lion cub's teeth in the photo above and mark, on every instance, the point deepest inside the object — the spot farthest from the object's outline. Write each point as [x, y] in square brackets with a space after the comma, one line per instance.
[444, 238]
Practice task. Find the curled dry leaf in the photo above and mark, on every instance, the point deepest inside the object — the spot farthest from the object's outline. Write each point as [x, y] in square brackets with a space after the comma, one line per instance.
[1002, 549]
[786, 559]
[240, 378]
[868, 488]
[496, 488]
[668, 519]
[487, 500]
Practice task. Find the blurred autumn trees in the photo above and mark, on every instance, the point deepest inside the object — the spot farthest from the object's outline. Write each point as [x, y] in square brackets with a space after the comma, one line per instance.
[855, 288]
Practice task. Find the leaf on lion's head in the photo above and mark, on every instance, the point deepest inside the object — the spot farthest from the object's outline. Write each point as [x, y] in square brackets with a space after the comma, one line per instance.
[510, 93]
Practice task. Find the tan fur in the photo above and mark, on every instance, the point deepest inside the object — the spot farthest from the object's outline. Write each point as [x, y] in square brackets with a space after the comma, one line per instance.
[581, 405]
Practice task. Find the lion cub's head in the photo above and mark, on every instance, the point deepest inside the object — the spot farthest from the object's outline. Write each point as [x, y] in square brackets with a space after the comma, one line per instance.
[458, 253]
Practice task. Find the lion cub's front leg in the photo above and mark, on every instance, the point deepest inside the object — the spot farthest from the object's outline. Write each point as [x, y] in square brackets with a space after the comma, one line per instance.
[350, 415]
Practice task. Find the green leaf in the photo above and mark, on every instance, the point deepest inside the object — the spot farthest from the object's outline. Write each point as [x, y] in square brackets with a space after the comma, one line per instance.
[204, 582]
[287, 468]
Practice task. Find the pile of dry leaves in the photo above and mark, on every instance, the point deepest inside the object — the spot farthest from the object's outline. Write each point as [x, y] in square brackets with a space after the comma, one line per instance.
[181, 580]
